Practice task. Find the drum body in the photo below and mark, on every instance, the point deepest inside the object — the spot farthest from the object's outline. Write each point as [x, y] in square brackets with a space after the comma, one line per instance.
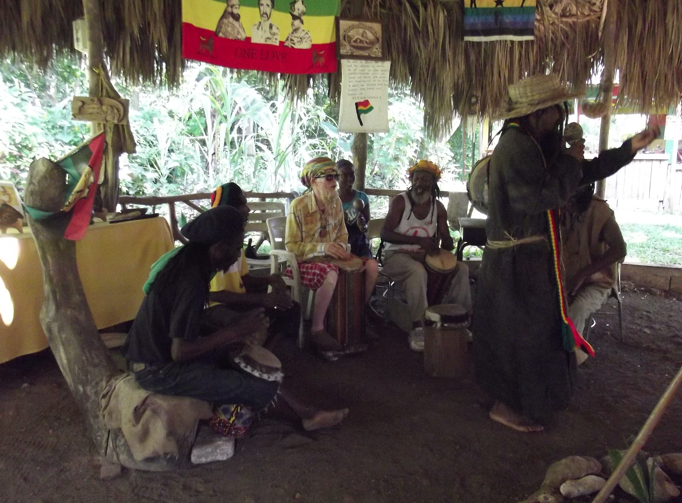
[445, 341]
[346, 315]
[477, 185]
[440, 270]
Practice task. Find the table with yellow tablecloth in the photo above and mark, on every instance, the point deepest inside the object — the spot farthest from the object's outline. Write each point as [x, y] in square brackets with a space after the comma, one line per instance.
[114, 260]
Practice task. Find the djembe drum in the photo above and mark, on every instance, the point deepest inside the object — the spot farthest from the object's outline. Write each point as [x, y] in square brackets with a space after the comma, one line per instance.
[445, 340]
[346, 316]
[257, 361]
[440, 270]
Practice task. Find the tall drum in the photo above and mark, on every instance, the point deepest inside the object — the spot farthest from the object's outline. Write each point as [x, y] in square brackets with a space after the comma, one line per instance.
[346, 316]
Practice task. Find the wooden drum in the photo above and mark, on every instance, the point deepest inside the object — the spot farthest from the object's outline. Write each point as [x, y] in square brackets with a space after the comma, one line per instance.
[440, 270]
[445, 342]
[346, 316]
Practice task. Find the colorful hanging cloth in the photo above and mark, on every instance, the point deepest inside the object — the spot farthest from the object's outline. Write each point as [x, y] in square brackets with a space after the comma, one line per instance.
[487, 20]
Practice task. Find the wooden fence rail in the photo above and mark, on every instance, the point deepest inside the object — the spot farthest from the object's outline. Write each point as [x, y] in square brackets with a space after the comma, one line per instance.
[192, 199]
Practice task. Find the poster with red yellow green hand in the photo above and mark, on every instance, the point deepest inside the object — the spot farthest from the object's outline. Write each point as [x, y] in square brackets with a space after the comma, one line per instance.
[268, 35]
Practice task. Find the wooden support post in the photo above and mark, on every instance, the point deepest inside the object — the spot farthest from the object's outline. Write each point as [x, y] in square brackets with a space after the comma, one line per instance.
[109, 188]
[609, 44]
[359, 150]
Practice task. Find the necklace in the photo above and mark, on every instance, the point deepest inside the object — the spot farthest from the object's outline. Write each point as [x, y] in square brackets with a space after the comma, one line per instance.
[323, 225]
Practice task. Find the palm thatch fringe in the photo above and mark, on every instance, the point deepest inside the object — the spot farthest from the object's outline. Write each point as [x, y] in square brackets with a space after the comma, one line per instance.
[423, 40]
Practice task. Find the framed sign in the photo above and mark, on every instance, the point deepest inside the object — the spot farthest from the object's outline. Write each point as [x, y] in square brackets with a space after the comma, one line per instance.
[359, 39]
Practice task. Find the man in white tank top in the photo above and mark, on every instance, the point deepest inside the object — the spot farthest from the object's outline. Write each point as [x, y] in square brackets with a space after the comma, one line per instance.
[415, 223]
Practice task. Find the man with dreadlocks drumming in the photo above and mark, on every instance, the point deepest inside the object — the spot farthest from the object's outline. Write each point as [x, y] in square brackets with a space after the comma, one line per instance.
[415, 223]
[316, 229]
[174, 346]
[524, 340]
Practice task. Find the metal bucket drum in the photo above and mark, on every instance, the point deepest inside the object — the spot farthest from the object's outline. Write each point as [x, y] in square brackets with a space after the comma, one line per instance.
[440, 270]
[477, 185]
[346, 315]
[445, 341]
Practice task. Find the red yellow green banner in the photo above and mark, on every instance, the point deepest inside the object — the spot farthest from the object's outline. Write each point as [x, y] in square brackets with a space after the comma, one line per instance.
[268, 35]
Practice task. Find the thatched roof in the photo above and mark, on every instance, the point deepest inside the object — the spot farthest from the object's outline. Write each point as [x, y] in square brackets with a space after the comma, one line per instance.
[424, 43]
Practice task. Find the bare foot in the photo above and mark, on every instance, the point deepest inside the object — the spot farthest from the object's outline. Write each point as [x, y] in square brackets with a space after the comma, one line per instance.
[506, 416]
[324, 419]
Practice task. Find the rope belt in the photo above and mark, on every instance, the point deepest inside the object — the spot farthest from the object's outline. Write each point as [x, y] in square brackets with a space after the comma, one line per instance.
[512, 241]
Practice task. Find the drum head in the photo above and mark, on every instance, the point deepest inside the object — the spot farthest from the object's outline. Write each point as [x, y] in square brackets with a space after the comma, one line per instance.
[477, 185]
[447, 313]
[259, 362]
[351, 265]
[444, 262]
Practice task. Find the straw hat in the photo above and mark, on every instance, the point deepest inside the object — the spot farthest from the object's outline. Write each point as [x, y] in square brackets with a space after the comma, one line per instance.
[535, 93]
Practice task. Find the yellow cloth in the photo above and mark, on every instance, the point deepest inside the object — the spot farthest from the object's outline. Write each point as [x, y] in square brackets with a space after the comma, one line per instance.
[305, 223]
[113, 264]
[231, 280]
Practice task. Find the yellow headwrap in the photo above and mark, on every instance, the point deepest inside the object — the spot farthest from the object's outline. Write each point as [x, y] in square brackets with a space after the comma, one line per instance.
[317, 167]
[425, 165]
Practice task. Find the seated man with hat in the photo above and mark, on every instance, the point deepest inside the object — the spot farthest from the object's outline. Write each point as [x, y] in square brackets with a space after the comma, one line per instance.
[415, 223]
[241, 291]
[172, 346]
[316, 229]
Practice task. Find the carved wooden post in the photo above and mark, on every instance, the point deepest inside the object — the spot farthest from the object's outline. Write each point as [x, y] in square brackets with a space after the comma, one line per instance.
[359, 150]
[67, 321]
[71, 331]
[118, 135]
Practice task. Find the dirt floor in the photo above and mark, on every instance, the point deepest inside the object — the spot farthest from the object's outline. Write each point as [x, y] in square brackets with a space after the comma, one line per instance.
[408, 438]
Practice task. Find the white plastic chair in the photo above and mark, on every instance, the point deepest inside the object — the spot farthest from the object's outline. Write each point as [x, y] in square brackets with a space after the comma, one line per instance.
[280, 259]
[260, 212]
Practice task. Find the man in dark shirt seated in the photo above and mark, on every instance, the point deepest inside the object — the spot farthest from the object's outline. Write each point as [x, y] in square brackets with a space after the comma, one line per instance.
[169, 345]
[241, 291]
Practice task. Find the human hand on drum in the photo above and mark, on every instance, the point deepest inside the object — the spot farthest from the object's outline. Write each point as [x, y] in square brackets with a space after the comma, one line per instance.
[429, 245]
[251, 325]
[277, 300]
[337, 250]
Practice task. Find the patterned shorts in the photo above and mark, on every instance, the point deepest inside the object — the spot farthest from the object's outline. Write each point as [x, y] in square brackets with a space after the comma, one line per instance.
[313, 274]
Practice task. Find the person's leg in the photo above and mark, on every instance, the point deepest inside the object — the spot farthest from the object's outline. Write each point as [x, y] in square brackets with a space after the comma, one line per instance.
[460, 292]
[312, 418]
[283, 323]
[371, 274]
[587, 301]
[412, 277]
[323, 297]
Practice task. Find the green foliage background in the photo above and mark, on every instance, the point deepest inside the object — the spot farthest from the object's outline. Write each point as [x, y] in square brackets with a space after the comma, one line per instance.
[224, 126]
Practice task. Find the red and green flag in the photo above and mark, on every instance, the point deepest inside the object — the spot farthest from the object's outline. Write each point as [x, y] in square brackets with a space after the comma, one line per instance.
[82, 167]
[362, 108]
[268, 35]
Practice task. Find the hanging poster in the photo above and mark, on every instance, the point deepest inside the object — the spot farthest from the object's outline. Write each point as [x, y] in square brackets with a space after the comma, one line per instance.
[364, 96]
[486, 20]
[265, 35]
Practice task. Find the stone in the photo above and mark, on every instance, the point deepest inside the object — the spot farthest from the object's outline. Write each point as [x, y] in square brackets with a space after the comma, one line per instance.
[209, 448]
